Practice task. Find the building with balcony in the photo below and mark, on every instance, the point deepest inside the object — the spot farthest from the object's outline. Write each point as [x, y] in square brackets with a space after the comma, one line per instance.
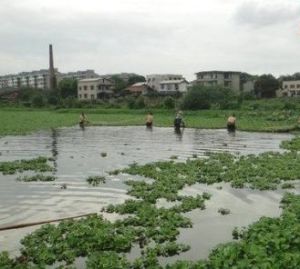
[290, 89]
[153, 81]
[94, 88]
[173, 86]
[229, 79]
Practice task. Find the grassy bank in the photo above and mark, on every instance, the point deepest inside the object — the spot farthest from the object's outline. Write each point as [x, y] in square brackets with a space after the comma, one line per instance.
[21, 121]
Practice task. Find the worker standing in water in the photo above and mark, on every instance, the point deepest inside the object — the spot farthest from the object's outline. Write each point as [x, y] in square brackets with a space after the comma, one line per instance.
[178, 121]
[149, 120]
[83, 120]
[231, 123]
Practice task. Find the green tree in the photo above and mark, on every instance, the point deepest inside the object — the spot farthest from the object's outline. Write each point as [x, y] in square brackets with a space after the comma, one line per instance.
[202, 97]
[120, 84]
[265, 86]
[135, 79]
[67, 88]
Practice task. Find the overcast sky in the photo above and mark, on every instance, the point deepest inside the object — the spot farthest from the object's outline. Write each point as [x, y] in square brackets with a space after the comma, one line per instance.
[151, 36]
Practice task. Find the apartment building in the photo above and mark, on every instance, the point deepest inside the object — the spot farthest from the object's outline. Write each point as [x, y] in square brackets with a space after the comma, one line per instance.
[94, 88]
[173, 86]
[228, 79]
[89, 73]
[35, 79]
[290, 88]
[154, 80]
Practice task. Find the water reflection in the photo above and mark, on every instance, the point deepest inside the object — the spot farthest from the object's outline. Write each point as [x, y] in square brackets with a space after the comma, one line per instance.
[179, 133]
[54, 134]
[77, 155]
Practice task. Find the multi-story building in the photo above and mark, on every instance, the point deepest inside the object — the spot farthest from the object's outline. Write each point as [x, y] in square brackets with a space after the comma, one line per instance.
[35, 79]
[94, 88]
[228, 79]
[41, 79]
[89, 73]
[154, 80]
[173, 86]
[290, 88]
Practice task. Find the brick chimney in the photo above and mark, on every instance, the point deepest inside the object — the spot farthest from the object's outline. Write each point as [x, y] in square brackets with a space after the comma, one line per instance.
[52, 78]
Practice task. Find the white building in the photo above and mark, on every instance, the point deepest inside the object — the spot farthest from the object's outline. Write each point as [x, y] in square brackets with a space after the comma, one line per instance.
[290, 88]
[34, 79]
[173, 86]
[94, 88]
[153, 81]
[89, 73]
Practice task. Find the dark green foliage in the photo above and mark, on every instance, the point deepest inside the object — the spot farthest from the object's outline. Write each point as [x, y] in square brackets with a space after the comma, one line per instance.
[39, 165]
[266, 86]
[38, 101]
[203, 97]
[107, 260]
[293, 144]
[169, 103]
[95, 180]
[67, 88]
[38, 177]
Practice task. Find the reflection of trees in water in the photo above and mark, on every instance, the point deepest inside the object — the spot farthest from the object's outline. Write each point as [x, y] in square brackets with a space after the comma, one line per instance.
[54, 151]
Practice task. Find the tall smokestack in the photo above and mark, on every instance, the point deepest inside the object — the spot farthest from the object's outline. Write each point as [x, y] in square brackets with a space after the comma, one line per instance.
[52, 78]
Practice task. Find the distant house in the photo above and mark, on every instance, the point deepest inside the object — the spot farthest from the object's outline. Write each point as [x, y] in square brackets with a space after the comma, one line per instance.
[153, 81]
[290, 89]
[229, 79]
[173, 86]
[139, 88]
[94, 88]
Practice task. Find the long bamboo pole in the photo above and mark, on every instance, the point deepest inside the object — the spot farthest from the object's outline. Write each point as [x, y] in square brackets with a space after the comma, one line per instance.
[23, 225]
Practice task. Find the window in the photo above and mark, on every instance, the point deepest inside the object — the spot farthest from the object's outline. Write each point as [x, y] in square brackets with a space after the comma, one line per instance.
[92, 96]
[162, 86]
[298, 86]
[85, 95]
[227, 76]
[292, 86]
[79, 95]
[285, 86]
[85, 88]
[169, 87]
[176, 87]
[92, 87]
[79, 88]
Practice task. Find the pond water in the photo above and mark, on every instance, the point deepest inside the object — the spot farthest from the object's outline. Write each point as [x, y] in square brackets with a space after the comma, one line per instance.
[77, 155]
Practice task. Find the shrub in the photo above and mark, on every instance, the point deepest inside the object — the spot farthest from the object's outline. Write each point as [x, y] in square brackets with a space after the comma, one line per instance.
[169, 103]
[38, 101]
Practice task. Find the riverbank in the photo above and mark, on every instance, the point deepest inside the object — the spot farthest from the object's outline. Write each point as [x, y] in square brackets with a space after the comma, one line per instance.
[20, 121]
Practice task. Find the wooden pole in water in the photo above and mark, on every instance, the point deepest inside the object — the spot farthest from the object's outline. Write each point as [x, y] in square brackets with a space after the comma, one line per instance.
[23, 225]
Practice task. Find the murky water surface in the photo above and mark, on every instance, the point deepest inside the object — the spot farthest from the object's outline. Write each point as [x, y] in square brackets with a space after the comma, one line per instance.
[77, 155]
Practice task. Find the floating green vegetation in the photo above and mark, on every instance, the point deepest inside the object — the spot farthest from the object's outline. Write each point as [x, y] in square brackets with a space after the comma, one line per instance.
[96, 180]
[38, 165]
[293, 144]
[224, 211]
[263, 172]
[38, 177]
[268, 243]
[287, 186]
[103, 154]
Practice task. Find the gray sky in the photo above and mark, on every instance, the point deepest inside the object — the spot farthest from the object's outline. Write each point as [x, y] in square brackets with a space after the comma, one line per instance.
[151, 36]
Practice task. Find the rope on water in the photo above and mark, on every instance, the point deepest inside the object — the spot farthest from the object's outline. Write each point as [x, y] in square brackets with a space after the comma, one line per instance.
[23, 225]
